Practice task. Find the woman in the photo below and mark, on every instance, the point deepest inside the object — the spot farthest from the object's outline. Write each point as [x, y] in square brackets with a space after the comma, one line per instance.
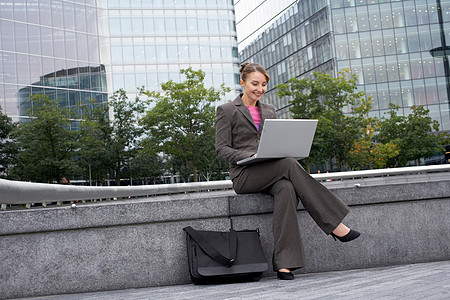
[238, 130]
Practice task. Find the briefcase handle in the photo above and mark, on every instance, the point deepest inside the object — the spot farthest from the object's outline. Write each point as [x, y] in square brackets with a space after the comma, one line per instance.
[211, 251]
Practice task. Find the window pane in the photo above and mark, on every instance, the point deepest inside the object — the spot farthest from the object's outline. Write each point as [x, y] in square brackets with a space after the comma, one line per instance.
[395, 94]
[386, 15]
[161, 53]
[20, 10]
[58, 43]
[170, 25]
[350, 20]
[47, 41]
[432, 91]
[380, 69]
[389, 42]
[172, 51]
[354, 46]
[137, 26]
[392, 68]
[139, 54]
[71, 48]
[148, 26]
[82, 46]
[374, 18]
[410, 13]
[128, 55]
[32, 12]
[368, 69]
[7, 42]
[125, 24]
[400, 41]
[69, 15]
[383, 95]
[397, 14]
[150, 53]
[407, 93]
[420, 96]
[21, 37]
[413, 39]
[363, 18]
[377, 43]
[80, 18]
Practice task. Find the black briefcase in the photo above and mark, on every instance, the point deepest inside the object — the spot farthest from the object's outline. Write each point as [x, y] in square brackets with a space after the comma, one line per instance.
[224, 257]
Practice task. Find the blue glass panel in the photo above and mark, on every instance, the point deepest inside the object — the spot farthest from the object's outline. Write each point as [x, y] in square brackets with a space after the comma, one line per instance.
[139, 54]
[114, 26]
[137, 26]
[125, 23]
[149, 28]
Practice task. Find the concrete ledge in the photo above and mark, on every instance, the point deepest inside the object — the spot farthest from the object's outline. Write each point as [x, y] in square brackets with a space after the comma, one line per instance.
[140, 243]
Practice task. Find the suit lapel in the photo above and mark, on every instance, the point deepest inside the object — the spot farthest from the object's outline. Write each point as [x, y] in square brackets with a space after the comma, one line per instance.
[244, 110]
[265, 114]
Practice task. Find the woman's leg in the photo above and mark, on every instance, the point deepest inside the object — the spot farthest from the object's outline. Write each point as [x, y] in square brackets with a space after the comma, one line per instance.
[288, 247]
[325, 208]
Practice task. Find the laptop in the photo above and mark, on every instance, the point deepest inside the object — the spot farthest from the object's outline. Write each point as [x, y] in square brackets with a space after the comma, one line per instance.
[284, 138]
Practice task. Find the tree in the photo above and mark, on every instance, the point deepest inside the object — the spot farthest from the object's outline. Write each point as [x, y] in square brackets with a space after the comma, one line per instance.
[149, 168]
[366, 153]
[125, 129]
[180, 122]
[324, 97]
[417, 135]
[7, 145]
[46, 143]
[95, 142]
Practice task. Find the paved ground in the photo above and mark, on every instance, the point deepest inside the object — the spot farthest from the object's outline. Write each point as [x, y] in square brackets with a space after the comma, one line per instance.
[415, 281]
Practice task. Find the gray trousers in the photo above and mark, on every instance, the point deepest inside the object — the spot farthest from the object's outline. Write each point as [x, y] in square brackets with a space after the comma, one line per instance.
[287, 181]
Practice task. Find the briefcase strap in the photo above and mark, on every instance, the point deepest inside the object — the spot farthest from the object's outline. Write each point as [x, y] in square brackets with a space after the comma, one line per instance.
[211, 251]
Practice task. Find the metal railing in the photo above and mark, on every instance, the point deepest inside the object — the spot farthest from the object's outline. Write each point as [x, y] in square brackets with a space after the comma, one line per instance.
[19, 192]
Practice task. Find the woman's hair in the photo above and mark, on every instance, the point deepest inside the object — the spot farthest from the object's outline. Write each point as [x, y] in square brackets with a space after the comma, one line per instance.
[247, 68]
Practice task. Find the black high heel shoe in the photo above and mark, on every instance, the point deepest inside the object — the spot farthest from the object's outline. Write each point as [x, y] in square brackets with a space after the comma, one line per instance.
[285, 275]
[353, 234]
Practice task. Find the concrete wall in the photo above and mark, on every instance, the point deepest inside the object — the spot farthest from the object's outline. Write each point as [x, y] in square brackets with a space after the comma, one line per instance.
[140, 243]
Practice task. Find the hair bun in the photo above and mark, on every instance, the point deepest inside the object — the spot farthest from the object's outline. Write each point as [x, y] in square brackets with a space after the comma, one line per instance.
[243, 67]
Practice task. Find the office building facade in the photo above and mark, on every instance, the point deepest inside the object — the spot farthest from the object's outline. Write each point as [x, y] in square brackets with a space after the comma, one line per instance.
[76, 50]
[386, 44]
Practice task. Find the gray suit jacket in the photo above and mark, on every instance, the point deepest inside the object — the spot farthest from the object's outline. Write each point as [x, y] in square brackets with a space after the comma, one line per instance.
[236, 133]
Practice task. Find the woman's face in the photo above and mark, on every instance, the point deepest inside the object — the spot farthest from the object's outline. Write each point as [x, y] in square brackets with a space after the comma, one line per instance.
[255, 85]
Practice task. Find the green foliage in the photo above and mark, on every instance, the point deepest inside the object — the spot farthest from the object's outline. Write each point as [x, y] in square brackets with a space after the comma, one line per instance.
[7, 145]
[108, 144]
[146, 167]
[95, 142]
[416, 135]
[323, 97]
[366, 153]
[180, 123]
[47, 144]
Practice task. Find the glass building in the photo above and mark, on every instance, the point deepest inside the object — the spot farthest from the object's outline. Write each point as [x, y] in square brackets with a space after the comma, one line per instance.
[49, 47]
[75, 50]
[385, 43]
[253, 16]
[147, 42]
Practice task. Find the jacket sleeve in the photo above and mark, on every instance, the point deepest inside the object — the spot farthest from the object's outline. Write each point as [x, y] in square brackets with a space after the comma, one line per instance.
[224, 138]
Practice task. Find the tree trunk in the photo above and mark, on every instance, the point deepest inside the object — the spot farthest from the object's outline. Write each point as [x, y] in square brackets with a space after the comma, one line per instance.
[118, 174]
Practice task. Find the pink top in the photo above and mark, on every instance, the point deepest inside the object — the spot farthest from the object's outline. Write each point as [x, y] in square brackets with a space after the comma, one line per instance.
[256, 115]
